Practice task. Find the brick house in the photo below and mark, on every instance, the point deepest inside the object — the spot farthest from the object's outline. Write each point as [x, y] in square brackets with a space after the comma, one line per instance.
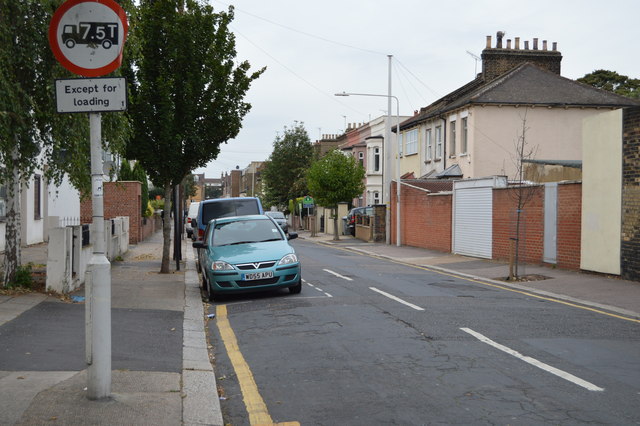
[475, 127]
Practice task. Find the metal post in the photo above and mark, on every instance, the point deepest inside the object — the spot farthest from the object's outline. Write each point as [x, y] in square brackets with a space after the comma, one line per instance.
[386, 175]
[398, 189]
[98, 308]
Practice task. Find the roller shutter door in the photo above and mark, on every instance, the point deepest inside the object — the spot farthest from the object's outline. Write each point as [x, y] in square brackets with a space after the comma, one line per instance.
[473, 222]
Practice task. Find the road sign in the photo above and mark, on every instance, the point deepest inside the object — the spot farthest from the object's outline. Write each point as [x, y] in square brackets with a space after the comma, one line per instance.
[308, 202]
[87, 36]
[91, 94]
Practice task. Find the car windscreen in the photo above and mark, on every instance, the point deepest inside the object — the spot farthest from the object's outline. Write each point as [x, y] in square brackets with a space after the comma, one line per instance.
[245, 231]
[276, 215]
[228, 208]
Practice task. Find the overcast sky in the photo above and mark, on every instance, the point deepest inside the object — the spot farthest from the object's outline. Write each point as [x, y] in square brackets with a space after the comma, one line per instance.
[314, 49]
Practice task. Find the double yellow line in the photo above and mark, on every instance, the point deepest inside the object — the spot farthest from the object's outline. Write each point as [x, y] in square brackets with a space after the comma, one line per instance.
[256, 408]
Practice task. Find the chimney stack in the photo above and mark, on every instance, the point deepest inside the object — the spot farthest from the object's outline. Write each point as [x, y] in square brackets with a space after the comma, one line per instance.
[497, 61]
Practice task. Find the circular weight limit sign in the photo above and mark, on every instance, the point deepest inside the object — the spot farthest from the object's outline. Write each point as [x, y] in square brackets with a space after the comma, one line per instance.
[87, 36]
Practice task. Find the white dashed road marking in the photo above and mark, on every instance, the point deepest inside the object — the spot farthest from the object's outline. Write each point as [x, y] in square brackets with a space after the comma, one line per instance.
[337, 275]
[546, 367]
[397, 299]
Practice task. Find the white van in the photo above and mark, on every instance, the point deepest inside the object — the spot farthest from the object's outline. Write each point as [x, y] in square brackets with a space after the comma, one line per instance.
[192, 214]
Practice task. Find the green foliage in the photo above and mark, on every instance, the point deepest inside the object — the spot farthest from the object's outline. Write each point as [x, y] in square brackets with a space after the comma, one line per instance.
[141, 176]
[157, 204]
[284, 173]
[125, 173]
[335, 178]
[190, 187]
[613, 82]
[149, 211]
[22, 277]
[188, 89]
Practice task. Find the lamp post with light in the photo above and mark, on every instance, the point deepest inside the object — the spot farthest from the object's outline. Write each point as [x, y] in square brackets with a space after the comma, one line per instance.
[398, 239]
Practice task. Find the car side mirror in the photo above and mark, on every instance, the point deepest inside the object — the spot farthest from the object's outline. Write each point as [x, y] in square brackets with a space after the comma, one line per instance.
[292, 235]
[199, 245]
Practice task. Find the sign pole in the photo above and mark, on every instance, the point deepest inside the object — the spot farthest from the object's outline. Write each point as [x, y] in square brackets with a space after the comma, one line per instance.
[99, 304]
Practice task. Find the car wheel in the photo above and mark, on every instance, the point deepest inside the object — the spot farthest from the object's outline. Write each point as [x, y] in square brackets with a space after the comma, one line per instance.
[296, 289]
[211, 296]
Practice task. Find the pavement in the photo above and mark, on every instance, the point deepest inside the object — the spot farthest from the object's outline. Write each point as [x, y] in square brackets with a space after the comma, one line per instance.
[162, 372]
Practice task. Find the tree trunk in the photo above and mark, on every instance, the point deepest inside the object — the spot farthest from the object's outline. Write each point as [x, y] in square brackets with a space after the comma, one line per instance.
[336, 235]
[13, 237]
[166, 231]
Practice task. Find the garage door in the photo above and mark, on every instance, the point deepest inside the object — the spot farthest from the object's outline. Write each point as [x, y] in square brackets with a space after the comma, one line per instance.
[473, 221]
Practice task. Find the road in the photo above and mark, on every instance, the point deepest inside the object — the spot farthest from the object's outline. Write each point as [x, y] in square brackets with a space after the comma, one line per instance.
[373, 342]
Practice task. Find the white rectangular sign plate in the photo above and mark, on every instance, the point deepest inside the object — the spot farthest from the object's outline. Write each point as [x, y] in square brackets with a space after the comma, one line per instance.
[91, 94]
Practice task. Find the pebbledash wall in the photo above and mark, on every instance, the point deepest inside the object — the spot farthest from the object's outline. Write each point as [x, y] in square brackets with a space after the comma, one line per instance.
[120, 199]
[630, 246]
[427, 222]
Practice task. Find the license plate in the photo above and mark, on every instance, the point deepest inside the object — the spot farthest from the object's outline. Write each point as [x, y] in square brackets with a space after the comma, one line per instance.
[257, 276]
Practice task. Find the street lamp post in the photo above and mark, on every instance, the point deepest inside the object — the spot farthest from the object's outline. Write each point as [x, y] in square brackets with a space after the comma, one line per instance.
[398, 239]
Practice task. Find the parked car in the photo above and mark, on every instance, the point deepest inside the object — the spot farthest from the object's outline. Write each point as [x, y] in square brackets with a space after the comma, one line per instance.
[246, 254]
[280, 220]
[351, 217]
[224, 207]
[191, 214]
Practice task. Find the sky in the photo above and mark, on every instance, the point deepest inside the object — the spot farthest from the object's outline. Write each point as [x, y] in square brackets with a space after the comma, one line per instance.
[313, 50]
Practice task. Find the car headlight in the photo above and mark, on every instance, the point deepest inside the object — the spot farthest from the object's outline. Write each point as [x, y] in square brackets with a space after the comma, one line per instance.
[219, 265]
[288, 259]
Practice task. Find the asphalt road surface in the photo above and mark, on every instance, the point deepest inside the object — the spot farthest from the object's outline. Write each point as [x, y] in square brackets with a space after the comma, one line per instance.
[373, 342]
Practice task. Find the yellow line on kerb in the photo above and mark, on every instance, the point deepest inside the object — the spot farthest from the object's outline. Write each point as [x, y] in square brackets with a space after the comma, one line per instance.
[256, 408]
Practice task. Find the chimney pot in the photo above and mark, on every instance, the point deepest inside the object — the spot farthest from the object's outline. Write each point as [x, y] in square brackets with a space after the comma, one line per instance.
[488, 42]
[499, 36]
[517, 43]
[544, 44]
[535, 44]
[555, 46]
[508, 43]
[526, 45]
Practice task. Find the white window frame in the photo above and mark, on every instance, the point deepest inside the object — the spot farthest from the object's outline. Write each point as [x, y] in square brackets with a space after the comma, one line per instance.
[428, 145]
[376, 158]
[376, 197]
[452, 138]
[411, 145]
[438, 142]
[464, 138]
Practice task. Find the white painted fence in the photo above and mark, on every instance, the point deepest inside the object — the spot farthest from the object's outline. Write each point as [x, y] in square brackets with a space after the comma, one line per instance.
[68, 257]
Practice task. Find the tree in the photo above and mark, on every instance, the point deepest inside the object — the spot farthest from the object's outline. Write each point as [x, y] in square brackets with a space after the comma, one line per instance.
[523, 193]
[613, 82]
[283, 176]
[187, 93]
[333, 179]
[32, 134]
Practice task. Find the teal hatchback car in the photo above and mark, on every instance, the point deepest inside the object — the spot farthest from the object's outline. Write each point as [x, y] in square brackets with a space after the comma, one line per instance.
[245, 254]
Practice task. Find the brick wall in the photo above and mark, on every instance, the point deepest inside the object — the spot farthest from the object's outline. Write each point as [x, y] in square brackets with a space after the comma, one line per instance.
[569, 225]
[425, 219]
[532, 225]
[120, 199]
[630, 245]
[531, 235]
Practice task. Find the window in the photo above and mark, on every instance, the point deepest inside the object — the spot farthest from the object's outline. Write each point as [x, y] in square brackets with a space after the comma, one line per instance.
[376, 197]
[429, 143]
[361, 158]
[412, 141]
[438, 142]
[3, 202]
[376, 159]
[36, 197]
[463, 140]
[452, 139]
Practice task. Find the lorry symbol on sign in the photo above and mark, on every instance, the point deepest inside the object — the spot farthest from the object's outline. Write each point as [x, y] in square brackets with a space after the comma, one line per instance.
[96, 33]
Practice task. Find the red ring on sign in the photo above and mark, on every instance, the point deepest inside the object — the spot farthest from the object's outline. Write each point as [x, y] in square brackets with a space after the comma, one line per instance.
[57, 52]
